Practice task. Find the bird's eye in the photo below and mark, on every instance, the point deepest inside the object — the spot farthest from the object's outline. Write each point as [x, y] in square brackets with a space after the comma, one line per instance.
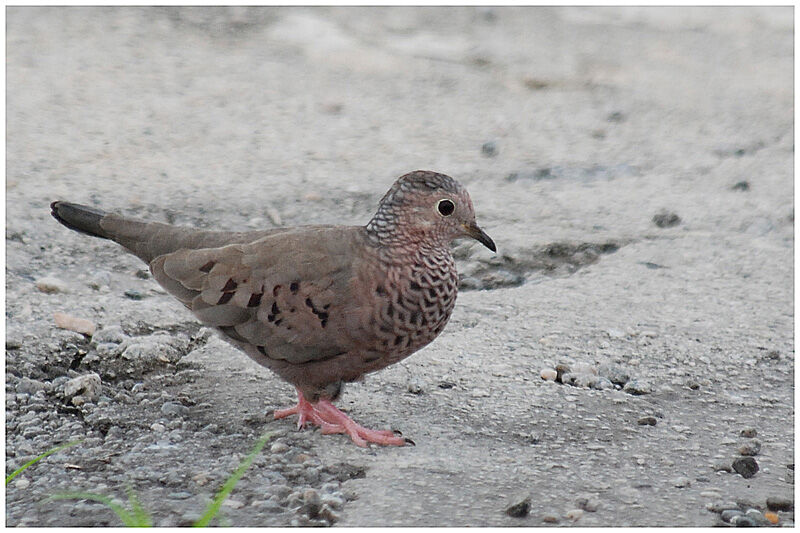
[445, 207]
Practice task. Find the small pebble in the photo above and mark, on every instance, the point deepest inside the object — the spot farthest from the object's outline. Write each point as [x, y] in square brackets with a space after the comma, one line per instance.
[756, 516]
[719, 506]
[741, 186]
[666, 219]
[722, 467]
[574, 514]
[279, 447]
[682, 482]
[51, 285]
[519, 507]
[133, 294]
[743, 521]
[771, 517]
[603, 383]
[489, 149]
[750, 448]
[589, 504]
[550, 517]
[775, 503]
[647, 421]
[73, 323]
[415, 386]
[729, 514]
[158, 428]
[548, 374]
[233, 504]
[749, 433]
[745, 467]
[22, 483]
[637, 387]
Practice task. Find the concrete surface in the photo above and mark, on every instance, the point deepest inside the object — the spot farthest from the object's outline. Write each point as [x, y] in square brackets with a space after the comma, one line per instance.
[571, 127]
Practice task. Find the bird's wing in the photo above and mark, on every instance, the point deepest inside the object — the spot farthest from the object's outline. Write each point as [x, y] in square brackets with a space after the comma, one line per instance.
[284, 293]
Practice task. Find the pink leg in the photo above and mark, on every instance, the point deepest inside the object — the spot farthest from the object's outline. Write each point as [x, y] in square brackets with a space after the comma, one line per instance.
[305, 413]
[359, 434]
[331, 420]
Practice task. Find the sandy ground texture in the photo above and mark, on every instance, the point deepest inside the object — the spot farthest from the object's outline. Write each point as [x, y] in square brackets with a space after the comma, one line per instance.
[633, 165]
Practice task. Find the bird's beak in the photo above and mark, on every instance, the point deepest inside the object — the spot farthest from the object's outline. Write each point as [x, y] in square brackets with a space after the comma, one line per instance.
[479, 235]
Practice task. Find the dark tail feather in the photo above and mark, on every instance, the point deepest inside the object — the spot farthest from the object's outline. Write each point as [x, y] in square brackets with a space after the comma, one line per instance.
[80, 218]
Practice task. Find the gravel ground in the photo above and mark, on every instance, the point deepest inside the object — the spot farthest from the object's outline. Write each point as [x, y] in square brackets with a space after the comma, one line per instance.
[626, 358]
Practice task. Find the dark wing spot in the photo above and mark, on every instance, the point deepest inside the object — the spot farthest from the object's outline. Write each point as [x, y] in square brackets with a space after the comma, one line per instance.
[323, 316]
[271, 318]
[415, 318]
[371, 358]
[309, 303]
[255, 300]
[207, 267]
[230, 286]
[414, 286]
[294, 287]
[275, 309]
[278, 322]
[262, 350]
[326, 306]
[399, 340]
[432, 293]
[276, 289]
[324, 322]
[225, 298]
[390, 310]
[380, 290]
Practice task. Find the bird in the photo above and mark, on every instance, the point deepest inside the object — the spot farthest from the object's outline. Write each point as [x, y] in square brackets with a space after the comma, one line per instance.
[322, 305]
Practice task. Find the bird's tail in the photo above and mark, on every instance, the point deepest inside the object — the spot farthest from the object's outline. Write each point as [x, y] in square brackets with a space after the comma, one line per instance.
[81, 218]
[146, 240]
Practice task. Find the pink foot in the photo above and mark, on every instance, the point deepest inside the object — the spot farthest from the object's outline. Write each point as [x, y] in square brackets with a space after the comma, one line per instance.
[331, 420]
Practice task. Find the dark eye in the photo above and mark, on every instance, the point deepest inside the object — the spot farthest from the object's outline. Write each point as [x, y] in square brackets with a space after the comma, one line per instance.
[446, 207]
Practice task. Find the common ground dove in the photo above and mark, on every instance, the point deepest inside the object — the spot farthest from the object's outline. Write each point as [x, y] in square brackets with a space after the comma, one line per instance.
[317, 305]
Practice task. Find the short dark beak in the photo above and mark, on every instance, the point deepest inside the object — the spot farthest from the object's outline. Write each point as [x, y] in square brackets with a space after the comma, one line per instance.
[479, 235]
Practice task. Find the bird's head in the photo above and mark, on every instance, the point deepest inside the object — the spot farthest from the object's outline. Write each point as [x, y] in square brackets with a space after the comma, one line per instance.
[428, 208]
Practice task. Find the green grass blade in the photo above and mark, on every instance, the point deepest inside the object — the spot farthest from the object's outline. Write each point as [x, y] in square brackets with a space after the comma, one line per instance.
[120, 511]
[227, 488]
[32, 462]
[140, 516]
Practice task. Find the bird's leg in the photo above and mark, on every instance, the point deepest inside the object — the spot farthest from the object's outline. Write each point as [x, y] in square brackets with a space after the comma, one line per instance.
[331, 420]
[306, 412]
[359, 434]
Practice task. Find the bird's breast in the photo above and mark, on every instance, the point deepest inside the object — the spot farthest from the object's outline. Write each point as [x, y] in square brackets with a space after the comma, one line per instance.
[409, 304]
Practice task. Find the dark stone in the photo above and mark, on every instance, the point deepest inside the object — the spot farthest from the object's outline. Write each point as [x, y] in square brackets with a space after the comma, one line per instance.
[748, 433]
[745, 467]
[520, 507]
[489, 149]
[647, 421]
[775, 503]
[741, 186]
[666, 219]
[133, 294]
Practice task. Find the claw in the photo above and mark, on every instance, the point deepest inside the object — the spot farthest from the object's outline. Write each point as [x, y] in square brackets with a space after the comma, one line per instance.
[331, 420]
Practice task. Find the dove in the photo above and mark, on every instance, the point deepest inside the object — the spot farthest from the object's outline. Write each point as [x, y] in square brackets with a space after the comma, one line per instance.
[320, 306]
